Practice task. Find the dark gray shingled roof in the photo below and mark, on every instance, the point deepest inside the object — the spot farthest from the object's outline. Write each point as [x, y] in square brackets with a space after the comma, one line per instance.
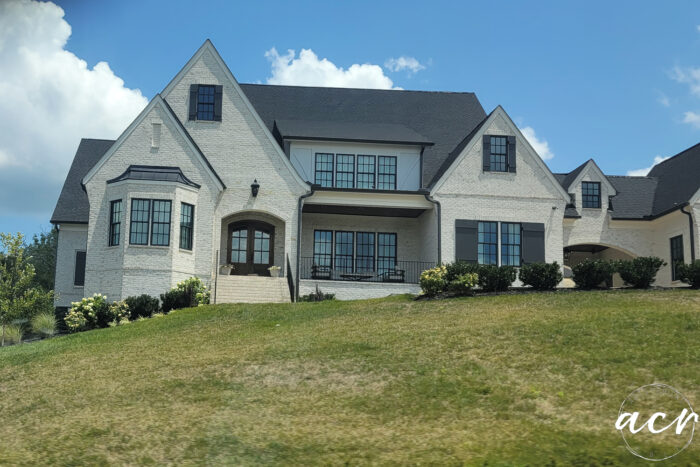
[635, 196]
[72, 205]
[444, 118]
[356, 131]
[154, 173]
[679, 179]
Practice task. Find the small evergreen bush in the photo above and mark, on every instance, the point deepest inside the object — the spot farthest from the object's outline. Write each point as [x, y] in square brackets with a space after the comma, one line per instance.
[459, 268]
[142, 306]
[494, 278]
[464, 283]
[541, 276]
[188, 293]
[690, 273]
[639, 272]
[433, 281]
[591, 273]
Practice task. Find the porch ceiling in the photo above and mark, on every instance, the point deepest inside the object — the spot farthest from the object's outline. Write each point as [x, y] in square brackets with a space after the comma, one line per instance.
[362, 210]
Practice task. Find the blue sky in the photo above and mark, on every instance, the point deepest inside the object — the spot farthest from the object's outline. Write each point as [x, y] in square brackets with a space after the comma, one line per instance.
[615, 81]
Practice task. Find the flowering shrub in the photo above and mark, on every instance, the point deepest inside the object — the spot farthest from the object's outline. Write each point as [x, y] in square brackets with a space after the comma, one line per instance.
[432, 281]
[94, 312]
[119, 312]
[464, 283]
[188, 293]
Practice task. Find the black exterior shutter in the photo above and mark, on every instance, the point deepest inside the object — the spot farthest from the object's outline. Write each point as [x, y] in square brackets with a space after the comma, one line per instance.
[466, 240]
[79, 277]
[533, 242]
[511, 154]
[218, 97]
[194, 89]
[487, 153]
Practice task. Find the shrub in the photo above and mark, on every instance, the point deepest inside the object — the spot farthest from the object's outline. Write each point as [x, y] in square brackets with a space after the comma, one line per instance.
[12, 334]
[188, 293]
[143, 306]
[433, 281]
[119, 311]
[464, 283]
[45, 324]
[541, 276]
[459, 268]
[75, 320]
[494, 278]
[690, 273]
[317, 296]
[639, 272]
[589, 274]
[94, 312]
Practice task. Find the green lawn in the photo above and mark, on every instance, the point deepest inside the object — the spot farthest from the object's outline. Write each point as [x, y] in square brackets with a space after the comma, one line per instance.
[499, 380]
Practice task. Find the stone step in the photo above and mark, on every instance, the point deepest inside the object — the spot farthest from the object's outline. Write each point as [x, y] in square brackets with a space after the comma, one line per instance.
[252, 289]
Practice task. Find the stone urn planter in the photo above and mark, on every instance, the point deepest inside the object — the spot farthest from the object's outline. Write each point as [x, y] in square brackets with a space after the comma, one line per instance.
[226, 269]
[274, 271]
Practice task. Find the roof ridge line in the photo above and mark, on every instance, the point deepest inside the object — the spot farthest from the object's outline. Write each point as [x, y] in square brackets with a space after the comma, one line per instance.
[356, 89]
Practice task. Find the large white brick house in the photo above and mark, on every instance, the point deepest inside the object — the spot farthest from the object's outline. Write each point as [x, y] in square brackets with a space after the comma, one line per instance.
[354, 190]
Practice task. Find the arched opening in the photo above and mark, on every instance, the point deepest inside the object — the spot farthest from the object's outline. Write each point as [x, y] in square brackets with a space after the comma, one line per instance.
[574, 254]
[251, 243]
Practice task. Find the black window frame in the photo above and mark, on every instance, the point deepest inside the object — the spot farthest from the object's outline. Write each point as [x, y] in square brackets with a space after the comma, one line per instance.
[481, 236]
[186, 226]
[115, 225]
[498, 159]
[588, 198]
[365, 251]
[676, 244]
[343, 261]
[343, 175]
[140, 222]
[509, 249]
[361, 174]
[76, 281]
[166, 233]
[382, 184]
[328, 169]
[387, 263]
[327, 245]
[205, 110]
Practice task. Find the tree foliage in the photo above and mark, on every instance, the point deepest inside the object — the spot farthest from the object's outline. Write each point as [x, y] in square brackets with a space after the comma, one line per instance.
[41, 253]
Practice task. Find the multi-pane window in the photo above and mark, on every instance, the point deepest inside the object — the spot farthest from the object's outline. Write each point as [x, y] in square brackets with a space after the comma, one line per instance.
[324, 170]
[386, 172]
[186, 225]
[344, 248]
[261, 247]
[365, 172]
[364, 252]
[239, 245]
[140, 217]
[115, 222]
[345, 170]
[323, 247]
[676, 255]
[160, 225]
[510, 244]
[590, 194]
[205, 102]
[386, 252]
[488, 243]
[499, 154]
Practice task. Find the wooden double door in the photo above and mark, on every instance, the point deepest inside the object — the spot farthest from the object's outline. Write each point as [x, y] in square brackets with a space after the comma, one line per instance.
[251, 247]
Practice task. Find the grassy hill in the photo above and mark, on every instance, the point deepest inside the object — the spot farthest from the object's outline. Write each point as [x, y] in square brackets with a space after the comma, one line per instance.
[504, 380]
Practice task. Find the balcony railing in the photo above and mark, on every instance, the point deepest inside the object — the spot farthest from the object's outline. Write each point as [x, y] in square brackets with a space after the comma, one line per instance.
[389, 271]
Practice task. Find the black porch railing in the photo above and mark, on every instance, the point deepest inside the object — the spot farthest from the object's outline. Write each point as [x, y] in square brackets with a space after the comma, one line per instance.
[389, 271]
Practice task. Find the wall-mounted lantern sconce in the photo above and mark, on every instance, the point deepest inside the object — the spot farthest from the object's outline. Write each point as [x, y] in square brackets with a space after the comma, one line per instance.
[255, 187]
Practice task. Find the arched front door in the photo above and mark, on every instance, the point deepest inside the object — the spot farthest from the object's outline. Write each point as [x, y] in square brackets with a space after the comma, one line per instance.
[251, 247]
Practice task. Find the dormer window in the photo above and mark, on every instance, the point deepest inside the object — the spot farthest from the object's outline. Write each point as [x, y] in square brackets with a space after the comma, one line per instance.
[205, 102]
[590, 194]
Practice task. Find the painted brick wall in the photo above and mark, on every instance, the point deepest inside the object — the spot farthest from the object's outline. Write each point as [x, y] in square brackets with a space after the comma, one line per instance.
[355, 291]
[71, 238]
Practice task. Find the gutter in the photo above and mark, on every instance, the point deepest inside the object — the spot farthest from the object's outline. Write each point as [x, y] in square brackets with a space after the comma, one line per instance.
[438, 208]
[692, 233]
[300, 204]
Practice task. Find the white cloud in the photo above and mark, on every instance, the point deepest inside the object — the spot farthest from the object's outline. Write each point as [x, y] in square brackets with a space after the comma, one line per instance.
[689, 76]
[664, 100]
[540, 145]
[644, 171]
[404, 63]
[692, 118]
[49, 99]
[309, 70]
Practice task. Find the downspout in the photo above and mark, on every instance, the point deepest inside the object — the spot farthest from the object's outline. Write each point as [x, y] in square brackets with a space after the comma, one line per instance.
[298, 267]
[438, 208]
[692, 233]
